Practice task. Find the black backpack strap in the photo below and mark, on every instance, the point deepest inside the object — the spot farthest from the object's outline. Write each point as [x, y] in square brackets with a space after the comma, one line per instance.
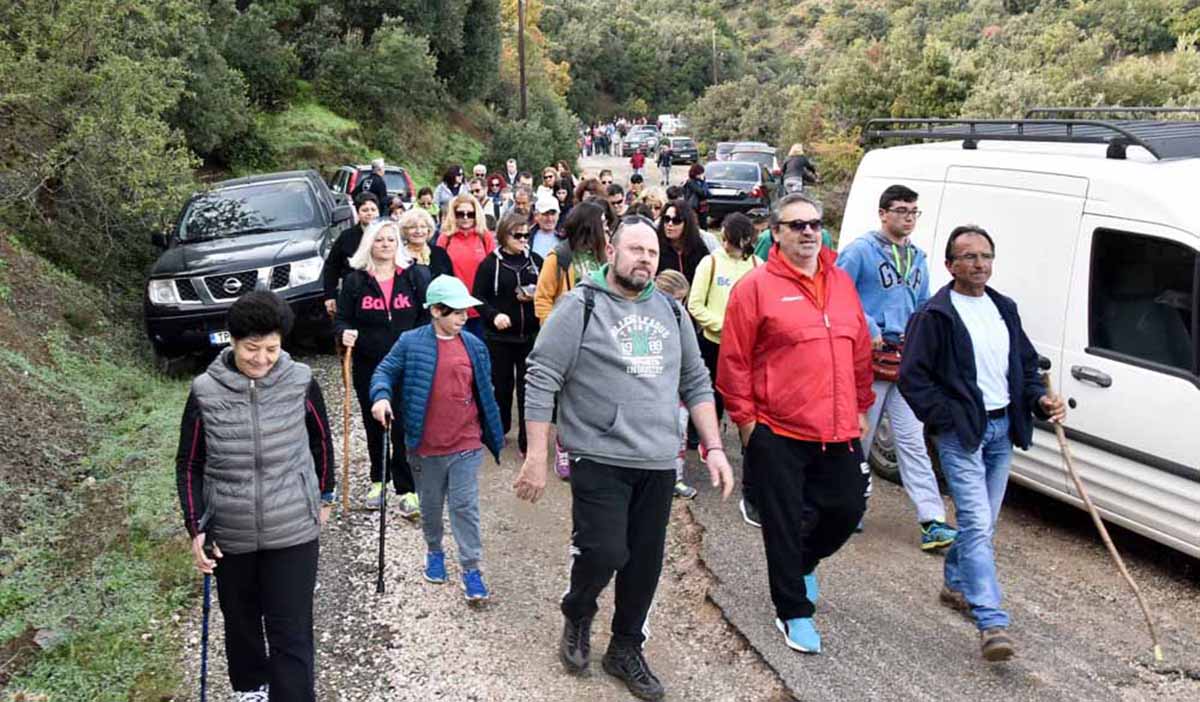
[589, 306]
[562, 251]
[674, 308]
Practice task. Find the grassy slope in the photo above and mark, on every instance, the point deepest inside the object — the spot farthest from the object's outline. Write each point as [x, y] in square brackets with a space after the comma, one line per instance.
[98, 558]
[309, 135]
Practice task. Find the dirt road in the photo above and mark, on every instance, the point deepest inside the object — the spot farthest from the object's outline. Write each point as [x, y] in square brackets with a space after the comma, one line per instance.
[1079, 632]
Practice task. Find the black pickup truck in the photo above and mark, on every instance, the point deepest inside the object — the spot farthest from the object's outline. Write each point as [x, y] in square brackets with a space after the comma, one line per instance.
[265, 232]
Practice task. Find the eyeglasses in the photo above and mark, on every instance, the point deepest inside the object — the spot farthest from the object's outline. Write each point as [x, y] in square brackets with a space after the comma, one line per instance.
[521, 234]
[547, 176]
[799, 225]
[976, 258]
[618, 202]
[606, 181]
[673, 220]
[904, 212]
[464, 214]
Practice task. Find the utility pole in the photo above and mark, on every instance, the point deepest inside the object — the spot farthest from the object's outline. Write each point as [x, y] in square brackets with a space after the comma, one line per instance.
[714, 52]
[521, 51]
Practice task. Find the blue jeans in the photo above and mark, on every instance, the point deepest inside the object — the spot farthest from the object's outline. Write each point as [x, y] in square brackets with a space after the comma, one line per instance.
[453, 478]
[977, 481]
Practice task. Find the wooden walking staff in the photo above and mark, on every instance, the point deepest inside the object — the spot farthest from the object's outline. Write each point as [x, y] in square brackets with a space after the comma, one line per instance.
[1044, 365]
[346, 432]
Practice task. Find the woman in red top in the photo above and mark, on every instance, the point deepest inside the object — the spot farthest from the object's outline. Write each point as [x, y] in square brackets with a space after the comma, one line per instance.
[467, 242]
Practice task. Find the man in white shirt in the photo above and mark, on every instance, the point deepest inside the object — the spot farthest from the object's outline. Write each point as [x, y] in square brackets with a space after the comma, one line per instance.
[970, 374]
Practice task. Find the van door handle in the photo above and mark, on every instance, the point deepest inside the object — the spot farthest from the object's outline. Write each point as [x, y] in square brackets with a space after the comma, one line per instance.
[1091, 375]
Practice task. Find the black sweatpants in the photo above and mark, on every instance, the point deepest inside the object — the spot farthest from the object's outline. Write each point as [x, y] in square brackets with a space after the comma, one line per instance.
[508, 376]
[401, 473]
[810, 498]
[270, 592]
[709, 351]
[619, 520]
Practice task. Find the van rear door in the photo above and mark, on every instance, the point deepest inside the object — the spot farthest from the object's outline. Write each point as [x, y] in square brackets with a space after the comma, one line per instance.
[1130, 369]
[1034, 220]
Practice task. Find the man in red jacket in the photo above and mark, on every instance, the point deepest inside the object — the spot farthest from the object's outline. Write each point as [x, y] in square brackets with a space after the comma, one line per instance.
[795, 370]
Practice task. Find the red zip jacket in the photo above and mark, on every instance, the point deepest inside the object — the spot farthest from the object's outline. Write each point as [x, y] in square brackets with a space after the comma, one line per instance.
[466, 249]
[802, 370]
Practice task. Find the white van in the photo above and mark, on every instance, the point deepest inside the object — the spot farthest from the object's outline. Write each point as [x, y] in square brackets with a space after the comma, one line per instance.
[1097, 229]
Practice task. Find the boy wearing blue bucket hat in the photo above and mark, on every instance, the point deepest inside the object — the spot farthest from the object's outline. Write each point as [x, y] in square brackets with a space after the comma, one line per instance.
[449, 415]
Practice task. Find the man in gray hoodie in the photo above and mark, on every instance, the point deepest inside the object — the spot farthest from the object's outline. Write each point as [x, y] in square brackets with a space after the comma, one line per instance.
[621, 357]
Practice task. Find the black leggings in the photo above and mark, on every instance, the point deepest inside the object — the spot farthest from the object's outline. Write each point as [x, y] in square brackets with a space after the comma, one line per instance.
[508, 377]
[402, 476]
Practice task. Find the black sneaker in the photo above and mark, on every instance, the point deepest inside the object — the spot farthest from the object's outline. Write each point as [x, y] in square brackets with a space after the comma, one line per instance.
[750, 514]
[575, 646]
[627, 663]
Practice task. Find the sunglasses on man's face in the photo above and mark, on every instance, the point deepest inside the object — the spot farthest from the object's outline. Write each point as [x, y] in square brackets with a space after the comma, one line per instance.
[464, 214]
[799, 225]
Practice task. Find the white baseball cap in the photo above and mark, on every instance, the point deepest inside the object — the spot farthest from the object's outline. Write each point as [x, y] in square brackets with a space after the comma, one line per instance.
[546, 203]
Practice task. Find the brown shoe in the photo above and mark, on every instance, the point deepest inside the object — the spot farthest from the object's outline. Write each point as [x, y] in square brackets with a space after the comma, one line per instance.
[953, 599]
[996, 645]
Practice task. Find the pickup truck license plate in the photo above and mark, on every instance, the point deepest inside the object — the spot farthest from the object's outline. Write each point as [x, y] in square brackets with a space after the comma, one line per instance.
[219, 338]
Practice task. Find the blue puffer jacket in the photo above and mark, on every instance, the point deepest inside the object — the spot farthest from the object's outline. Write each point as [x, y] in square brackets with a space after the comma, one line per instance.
[412, 363]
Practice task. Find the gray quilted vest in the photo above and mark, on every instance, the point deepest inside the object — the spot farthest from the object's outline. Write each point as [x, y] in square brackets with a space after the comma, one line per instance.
[260, 491]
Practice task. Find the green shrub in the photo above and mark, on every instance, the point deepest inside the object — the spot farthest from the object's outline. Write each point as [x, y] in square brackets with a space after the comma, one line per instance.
[269, 65]
[394, 74]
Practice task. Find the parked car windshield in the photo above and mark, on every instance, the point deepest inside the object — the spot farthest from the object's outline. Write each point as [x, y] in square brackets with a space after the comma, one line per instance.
[762, 158]
[726, 170]
[248, 209]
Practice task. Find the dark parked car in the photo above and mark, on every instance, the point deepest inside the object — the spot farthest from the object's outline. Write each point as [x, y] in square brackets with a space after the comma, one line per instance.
[641, 136]
[758, 152]
[398, 182]
[737, 186]
[683, 150]
[269, 232]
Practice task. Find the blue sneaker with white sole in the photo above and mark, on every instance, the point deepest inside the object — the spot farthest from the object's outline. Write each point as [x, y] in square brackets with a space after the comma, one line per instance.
[476, 591]
[812, 588]
[937, 535]
[435, 567]
[800, 634]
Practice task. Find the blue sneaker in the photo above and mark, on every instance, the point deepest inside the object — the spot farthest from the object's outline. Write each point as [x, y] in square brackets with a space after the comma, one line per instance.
[476, 591]
[435, 567]
[937, 535]
[812, 588]
[800, 635]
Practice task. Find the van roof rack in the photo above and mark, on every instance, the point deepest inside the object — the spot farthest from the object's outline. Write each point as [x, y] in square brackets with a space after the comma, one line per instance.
[1163, 139]
[1060, 112]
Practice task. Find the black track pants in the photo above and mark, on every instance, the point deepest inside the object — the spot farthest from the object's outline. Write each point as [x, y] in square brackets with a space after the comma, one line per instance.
[620, 520]
[508, 378]
[271, 593]
[401, 473]
[810, 498]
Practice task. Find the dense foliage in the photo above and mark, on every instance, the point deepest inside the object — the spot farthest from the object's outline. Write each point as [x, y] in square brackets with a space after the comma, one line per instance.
[109, 107]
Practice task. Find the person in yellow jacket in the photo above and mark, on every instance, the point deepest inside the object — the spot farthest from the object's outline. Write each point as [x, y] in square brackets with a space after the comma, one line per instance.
[715, 277]
[580, 252]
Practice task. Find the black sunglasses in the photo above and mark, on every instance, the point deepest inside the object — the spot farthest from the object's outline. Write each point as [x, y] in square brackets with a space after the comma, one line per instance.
[673, 220]
[799, 225]
[548, 176]
[464, 214]
[521, 235]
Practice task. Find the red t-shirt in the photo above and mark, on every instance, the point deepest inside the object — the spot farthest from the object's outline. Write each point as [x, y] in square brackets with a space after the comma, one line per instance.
[466, 250]
[452, 418]
[386, 286]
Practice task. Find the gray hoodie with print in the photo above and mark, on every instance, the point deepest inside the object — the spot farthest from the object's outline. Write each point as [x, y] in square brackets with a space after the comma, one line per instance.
[619, 381]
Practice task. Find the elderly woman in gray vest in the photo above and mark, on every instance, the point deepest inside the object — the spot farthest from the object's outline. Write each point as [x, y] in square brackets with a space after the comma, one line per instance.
[255, 475]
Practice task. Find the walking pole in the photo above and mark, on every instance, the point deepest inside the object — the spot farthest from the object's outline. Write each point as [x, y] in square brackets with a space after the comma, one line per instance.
[1044, 365]
[204, 637]
[387, 460]
[346, 433]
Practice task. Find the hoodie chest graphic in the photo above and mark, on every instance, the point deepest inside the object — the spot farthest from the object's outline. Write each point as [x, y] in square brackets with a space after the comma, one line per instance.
[641, 342]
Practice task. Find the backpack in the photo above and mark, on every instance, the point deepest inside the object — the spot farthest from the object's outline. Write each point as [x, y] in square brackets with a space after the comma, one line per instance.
[589, 306]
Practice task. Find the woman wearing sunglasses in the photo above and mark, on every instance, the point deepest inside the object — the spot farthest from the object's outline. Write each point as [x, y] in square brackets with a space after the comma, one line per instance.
[467, 242]
[681, 248]
[505, 283]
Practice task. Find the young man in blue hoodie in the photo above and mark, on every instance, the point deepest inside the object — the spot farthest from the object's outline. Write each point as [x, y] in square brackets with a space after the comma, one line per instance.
[892, 278]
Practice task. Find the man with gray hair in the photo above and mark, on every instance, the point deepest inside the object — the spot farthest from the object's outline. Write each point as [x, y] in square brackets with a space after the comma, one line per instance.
[621, 357]
[800, 422]
[373, 183]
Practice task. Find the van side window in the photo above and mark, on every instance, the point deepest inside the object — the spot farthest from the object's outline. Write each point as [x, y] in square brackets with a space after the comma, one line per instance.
[1142, 298]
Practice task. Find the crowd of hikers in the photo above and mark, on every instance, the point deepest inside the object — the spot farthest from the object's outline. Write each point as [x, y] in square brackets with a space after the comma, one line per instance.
[613, 314]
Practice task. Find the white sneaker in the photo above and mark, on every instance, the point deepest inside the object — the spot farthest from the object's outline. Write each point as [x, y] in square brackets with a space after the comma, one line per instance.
[262, 694]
